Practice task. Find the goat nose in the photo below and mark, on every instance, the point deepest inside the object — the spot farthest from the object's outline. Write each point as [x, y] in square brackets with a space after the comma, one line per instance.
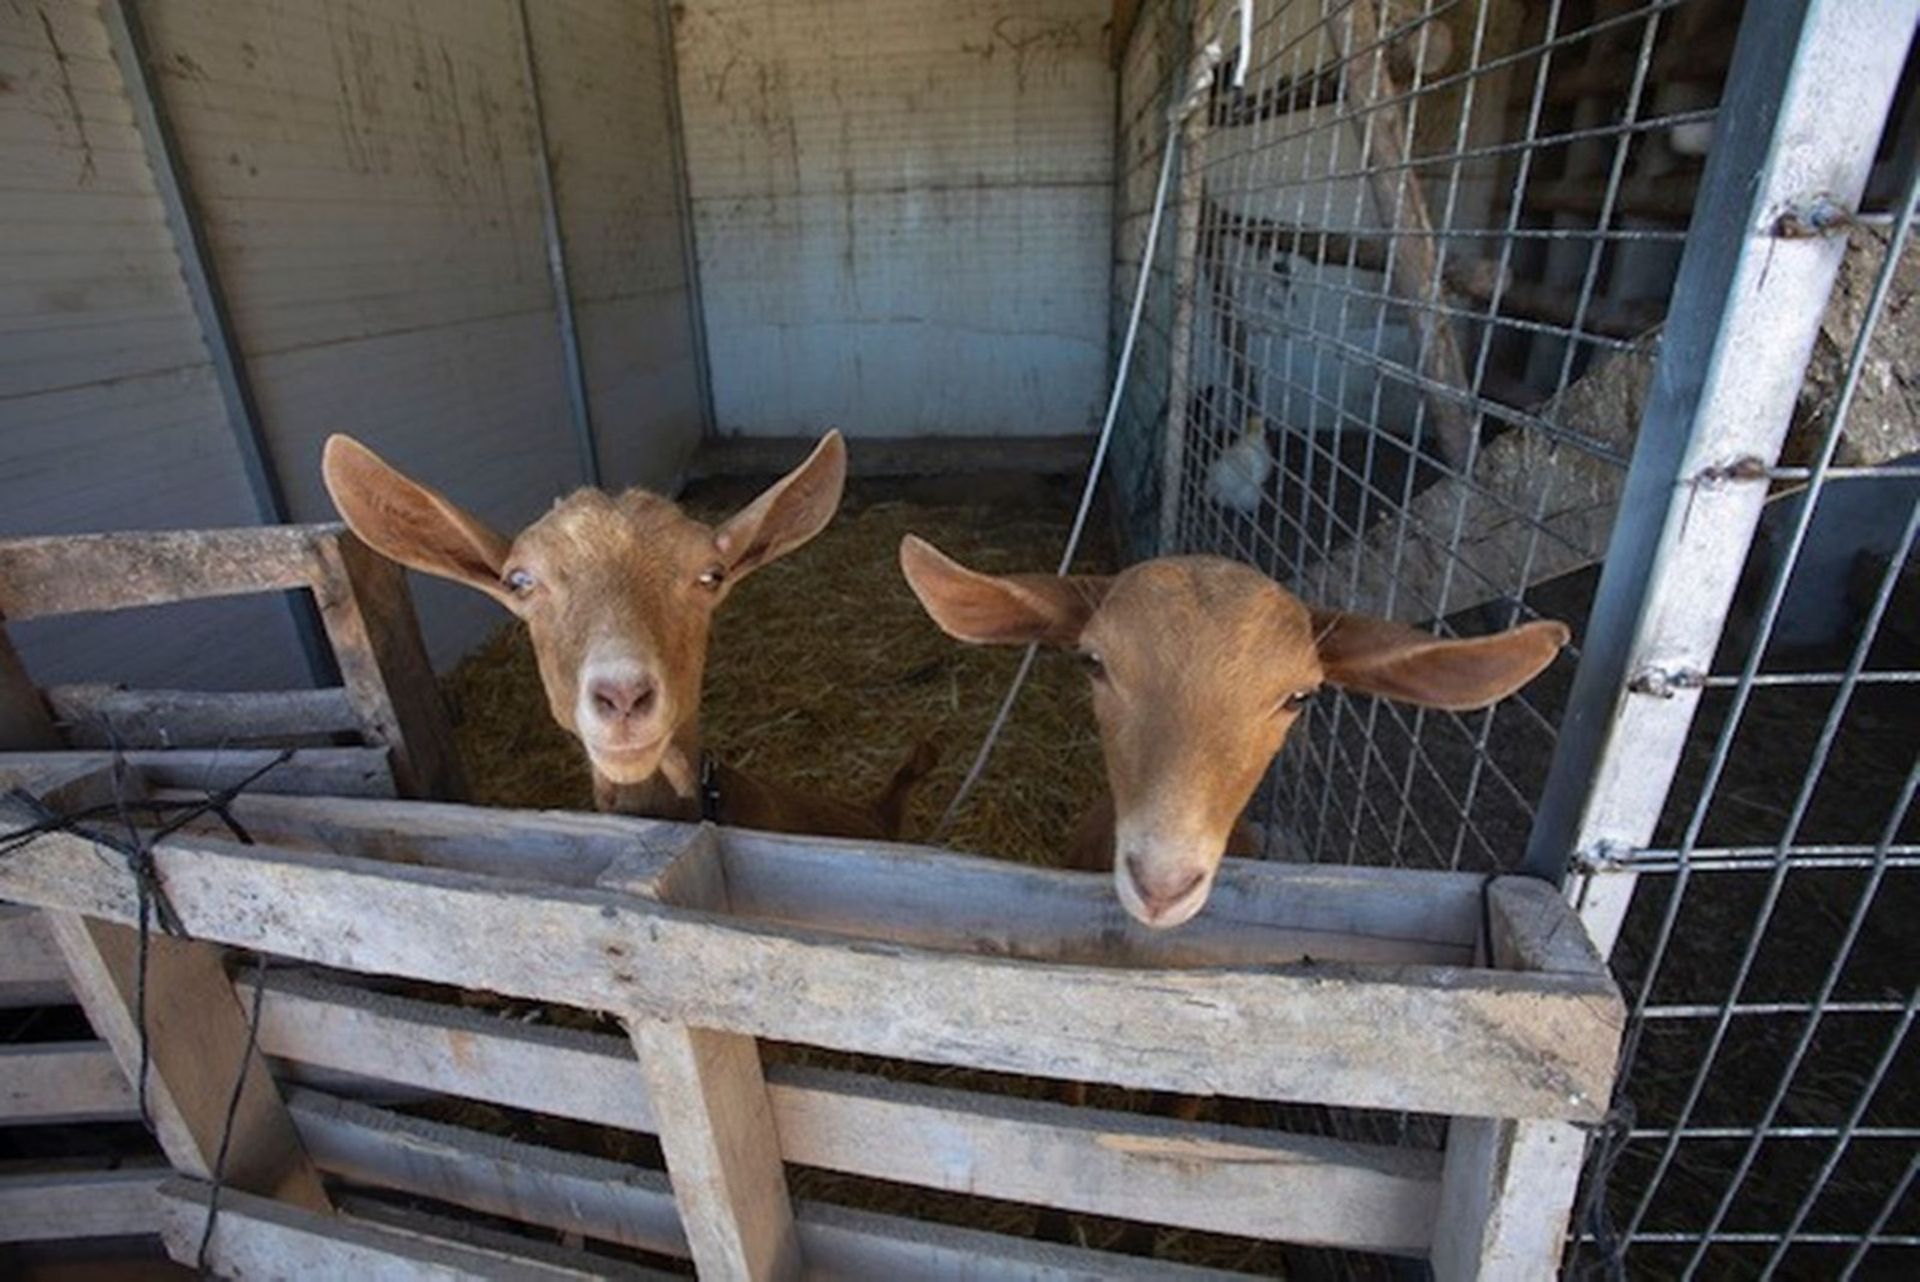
[1160, 891]
[621, 698]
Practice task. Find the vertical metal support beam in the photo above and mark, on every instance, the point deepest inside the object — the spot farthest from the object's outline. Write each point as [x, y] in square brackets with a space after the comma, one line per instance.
[580, 411]
[689, 236]
[1811, 83]
[198, 266]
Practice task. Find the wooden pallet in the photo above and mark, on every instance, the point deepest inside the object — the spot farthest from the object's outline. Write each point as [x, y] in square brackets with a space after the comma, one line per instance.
[1364, 988]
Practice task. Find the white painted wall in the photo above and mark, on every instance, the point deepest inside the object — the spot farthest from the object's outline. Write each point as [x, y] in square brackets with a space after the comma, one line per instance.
[903, 210]
[367, 175]
[109, 415]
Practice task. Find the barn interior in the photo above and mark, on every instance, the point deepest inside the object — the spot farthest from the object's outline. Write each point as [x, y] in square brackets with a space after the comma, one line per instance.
[1402, 271]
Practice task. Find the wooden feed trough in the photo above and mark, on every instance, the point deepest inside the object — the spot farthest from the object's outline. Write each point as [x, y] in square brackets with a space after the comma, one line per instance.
[1437, 993]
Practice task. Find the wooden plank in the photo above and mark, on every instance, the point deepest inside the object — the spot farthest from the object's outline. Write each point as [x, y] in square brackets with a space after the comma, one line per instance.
[1376, 102]
[75, 573]
[1215, 1178]
[1259, 912]
[1534, 928]
[105, 716]
[567, 1192]
[196, 1037]
[42, 1083]
[709, 1098]
[351, 772]
[1506, 1195]
[64, 1204]
[369, 618]
[31, 972]
[612, 1202]
[1429, 1039]
[257, 1238]
[24, 719]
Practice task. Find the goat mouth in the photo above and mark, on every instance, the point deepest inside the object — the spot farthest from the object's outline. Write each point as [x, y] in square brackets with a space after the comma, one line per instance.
[1166, 914]
[627, 763]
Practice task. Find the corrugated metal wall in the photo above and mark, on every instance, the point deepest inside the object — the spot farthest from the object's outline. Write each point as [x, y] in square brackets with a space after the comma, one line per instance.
[368, 180]
[903, 212]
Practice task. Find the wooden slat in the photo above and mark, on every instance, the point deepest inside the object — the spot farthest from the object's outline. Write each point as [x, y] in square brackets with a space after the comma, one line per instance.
[1532, 930]
[105, 716]
[70, 574]
[710, 1104]
[1506, 1196]
[1258, 912]
[369, 618]
[257, 1238]
[1437, 1040]
[31, 972]
[46, 1082]
[65, 1204]
[612, 1202]
[195, 1034]
[1215, 1178]
[347, 772]
[24, 719]
[568, 1192]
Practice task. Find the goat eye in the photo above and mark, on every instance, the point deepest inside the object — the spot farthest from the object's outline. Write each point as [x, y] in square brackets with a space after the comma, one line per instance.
[520, 581]
[1096, 667]
[1298, 700]
[712, 577]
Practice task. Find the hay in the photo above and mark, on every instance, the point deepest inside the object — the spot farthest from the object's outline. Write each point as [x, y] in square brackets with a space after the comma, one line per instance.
[824, 672]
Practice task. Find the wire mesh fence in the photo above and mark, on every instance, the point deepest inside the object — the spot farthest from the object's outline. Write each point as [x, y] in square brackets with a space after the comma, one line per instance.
[1412, 310]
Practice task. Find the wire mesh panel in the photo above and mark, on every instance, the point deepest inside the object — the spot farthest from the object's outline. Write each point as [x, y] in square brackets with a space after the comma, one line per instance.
[1421, 268]
[1432, 244]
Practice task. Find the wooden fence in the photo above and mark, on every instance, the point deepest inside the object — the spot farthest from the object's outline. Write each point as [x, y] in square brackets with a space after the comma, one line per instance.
[1436, 993]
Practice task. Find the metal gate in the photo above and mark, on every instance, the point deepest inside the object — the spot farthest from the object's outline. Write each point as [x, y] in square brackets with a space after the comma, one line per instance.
[1474, 311]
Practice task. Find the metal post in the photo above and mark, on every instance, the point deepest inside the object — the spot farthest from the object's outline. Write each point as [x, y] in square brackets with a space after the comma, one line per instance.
[689, 240]
[582, 414]
[197, 265]
[1798, 124]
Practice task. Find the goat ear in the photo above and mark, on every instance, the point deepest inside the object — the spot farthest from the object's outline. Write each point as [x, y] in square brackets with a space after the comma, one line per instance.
[1393, 661]
[986, 609]
[791, 511]
[409, 523]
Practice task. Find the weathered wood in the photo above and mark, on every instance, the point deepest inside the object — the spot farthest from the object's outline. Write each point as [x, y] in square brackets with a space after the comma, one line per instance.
[1532, 929]
[31, 972]
[573, 1194]
[1220, 1179]
[24, 719]
[568, 1192]
[1427, 1039]
[196, 1036]
[711, 1110]
[1506, 1194]
[1189, 193]
[611, 1202]
[369, 618]
[1375, 98]
[257, 1238]
[345, 772]
[75, 573]
[1259, 912]
[42, 1083]
[105, 716]
[64, 1204]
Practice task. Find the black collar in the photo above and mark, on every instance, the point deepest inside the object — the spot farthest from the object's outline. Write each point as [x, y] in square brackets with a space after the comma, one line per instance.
[709, 788]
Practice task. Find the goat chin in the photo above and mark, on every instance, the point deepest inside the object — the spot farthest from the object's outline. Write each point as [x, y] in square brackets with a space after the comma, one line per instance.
[627, 765]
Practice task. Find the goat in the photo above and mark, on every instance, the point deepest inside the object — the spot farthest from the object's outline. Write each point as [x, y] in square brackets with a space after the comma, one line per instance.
[618, 592]
[1200, 666]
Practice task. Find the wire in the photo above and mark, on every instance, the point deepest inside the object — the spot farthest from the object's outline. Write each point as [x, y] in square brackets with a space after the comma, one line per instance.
[1204, 64]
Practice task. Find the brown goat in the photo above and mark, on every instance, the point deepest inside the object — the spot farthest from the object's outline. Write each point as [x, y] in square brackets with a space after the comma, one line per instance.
[1200, 666]
[618, 592]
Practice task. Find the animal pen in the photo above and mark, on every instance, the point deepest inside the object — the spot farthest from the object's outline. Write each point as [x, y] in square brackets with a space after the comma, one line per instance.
[1459, 312]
